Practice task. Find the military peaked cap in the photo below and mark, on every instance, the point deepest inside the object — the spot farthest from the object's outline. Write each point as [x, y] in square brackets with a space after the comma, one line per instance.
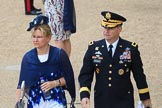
[111, 19]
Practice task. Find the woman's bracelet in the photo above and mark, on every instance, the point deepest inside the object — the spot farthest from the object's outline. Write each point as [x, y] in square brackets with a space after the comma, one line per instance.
[58, 82]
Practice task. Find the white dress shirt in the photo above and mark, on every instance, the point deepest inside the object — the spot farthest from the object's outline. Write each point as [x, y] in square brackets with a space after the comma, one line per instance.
[114, 46]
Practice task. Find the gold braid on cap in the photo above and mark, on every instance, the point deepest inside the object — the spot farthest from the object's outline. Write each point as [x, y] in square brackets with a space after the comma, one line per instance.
[115, 21]
[110, 24]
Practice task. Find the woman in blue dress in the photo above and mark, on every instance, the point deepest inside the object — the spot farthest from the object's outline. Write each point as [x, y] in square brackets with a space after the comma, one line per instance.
[46, 70]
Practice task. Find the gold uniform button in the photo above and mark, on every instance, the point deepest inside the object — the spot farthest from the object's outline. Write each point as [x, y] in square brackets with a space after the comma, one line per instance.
[110, 78]
[129, 92]
[109, 85]
[110, 65]
[110, 72]
[120, 71]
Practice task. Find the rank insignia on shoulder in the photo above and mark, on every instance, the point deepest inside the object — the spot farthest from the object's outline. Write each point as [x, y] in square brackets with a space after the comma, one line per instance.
[91, 43]
[134, 44]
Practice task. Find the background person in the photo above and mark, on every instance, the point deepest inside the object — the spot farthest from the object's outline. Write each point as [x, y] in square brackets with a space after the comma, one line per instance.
[112, 59]
[30, 9]
[48, 63]
[61, 14]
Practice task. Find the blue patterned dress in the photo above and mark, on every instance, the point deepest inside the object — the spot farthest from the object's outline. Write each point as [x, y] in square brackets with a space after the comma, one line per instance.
[37, 99]
[56, 66]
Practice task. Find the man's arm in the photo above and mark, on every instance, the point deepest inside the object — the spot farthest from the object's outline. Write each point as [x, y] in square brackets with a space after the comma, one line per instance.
[139, 76]
[85, 77]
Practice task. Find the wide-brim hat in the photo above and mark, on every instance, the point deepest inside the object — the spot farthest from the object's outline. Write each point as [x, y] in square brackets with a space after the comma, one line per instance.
[111, 19]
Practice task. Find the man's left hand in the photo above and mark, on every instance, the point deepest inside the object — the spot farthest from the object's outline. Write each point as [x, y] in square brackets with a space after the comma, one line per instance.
[147, 103]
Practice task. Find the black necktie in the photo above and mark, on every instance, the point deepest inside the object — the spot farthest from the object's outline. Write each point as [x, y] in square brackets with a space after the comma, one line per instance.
[110, 50]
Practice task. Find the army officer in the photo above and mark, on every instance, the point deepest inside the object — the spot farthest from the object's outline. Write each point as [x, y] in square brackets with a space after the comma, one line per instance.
[112, 59]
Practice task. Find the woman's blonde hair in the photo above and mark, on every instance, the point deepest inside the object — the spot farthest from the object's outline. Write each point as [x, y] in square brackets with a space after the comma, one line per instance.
[44, 28]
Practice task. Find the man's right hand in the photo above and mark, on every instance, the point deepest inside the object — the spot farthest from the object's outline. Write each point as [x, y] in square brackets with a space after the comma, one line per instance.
[85, 102]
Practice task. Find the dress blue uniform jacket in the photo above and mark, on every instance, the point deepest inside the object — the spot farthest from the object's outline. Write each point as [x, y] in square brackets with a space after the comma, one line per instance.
[58, 65]
[113, 87]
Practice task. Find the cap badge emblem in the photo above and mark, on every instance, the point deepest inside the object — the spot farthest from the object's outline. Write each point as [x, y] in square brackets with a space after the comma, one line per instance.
[108, 15]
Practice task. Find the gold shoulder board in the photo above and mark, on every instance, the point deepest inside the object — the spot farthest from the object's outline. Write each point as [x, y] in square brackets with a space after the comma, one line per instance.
[134, 44]
[91, 43]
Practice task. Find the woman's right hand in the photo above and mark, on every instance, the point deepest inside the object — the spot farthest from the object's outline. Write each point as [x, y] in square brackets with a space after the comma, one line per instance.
[46, 86]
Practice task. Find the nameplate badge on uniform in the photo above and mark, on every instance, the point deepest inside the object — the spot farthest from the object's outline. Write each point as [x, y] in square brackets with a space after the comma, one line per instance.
[120, 71]
[96, 61]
